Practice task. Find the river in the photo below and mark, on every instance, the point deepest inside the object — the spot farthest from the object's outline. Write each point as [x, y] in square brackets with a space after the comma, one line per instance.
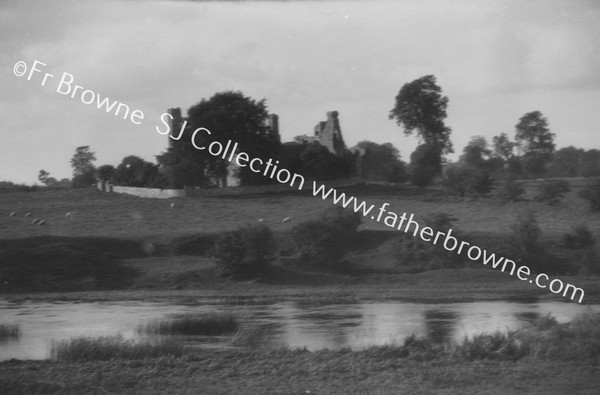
[284, 324]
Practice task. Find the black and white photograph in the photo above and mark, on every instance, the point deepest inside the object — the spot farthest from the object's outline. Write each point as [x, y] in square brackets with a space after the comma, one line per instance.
[300, 197]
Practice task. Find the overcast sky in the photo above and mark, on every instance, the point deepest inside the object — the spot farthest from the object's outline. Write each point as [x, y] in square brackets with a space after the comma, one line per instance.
[495, 60]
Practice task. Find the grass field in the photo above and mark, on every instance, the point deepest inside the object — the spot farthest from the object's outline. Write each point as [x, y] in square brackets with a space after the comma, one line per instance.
[135, 243]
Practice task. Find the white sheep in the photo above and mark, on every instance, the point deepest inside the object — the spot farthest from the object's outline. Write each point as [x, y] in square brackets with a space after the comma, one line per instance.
[27, 215]
[35, 220]
[41, 222]
[12, 214]
[68, 215]
[286, 219]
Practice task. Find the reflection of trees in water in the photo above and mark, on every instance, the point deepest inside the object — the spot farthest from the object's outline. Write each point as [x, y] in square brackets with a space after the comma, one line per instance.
[440, 325]
[527, 316]
[327, 327]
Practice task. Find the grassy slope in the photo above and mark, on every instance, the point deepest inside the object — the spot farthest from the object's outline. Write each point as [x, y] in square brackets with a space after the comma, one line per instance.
[157, 229]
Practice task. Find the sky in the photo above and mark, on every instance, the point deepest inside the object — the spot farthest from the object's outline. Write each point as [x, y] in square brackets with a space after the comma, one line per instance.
[495, 60]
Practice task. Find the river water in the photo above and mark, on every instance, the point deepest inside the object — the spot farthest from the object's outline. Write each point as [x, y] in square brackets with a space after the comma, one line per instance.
[283, 324]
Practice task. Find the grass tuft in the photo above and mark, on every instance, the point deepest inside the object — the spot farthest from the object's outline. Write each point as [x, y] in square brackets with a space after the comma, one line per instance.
[106, 348]
[214, 324]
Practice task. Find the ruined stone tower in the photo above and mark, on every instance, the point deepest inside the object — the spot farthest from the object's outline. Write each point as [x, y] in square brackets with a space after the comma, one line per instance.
[274, 125]
[329, 134]
[175, 123]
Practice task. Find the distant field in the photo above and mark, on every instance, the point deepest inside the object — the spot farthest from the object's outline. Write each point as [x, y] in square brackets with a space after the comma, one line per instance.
[102, 214]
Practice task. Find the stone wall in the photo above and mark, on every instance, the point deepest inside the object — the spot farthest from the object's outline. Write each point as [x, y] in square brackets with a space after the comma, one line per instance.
[156, 193]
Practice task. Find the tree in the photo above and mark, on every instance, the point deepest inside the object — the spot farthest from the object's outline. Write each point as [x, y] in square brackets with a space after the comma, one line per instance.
[381, 161]
[535, 142]
[82, 161]
[43, 176]
[319, 163]
[105, 172]
[476, 153]
[233, 116]
[421, 107]
[133, 171]
[83, 167]
[425, 164]
[502, 147]
[566, 162]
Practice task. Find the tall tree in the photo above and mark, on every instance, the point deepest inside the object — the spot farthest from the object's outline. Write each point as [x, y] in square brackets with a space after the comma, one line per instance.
[233, 116]
[421, 107]
[82, 163]
[535, 142]
[502, 147]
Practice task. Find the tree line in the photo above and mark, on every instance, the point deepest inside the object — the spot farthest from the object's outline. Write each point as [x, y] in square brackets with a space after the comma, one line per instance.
[420, 109]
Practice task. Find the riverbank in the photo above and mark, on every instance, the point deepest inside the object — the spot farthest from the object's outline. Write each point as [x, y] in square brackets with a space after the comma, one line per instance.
[548, 358]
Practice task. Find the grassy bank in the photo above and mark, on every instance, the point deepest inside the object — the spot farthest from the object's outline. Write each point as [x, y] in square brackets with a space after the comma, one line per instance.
[547, 358]
[113, 246]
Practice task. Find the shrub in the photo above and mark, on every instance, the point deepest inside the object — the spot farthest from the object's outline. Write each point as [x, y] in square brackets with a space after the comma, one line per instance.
[428, 256]
[245, 252]
[591, 192]
[85, 180]
[464, 180]
[580, 238]
[526, 247]
[324, 241]
[552, 191]
[510, 191]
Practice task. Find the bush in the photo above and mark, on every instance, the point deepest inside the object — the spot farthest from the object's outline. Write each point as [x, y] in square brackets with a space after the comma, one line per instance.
[84, 180]
[414, 251]
[552, 191]
[510, 191]
[463, 180]
[526, 247]
[591, 192]
[580, 238]
[245, 252]
[323, 242]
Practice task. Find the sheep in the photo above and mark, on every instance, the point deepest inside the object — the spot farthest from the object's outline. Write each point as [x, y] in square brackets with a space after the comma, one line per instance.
[172, 204]
[35, 220]
[260, 220]
[27, 215]
[286, 219]
[68, 215]
[12, 214]
[41, 222]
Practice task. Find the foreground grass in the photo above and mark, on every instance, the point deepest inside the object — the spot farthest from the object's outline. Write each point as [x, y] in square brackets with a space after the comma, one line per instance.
[9, 332]
[207, 325]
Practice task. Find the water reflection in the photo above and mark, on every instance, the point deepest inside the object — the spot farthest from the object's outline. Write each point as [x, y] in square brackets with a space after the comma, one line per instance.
[440, 324]
[285, 324]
